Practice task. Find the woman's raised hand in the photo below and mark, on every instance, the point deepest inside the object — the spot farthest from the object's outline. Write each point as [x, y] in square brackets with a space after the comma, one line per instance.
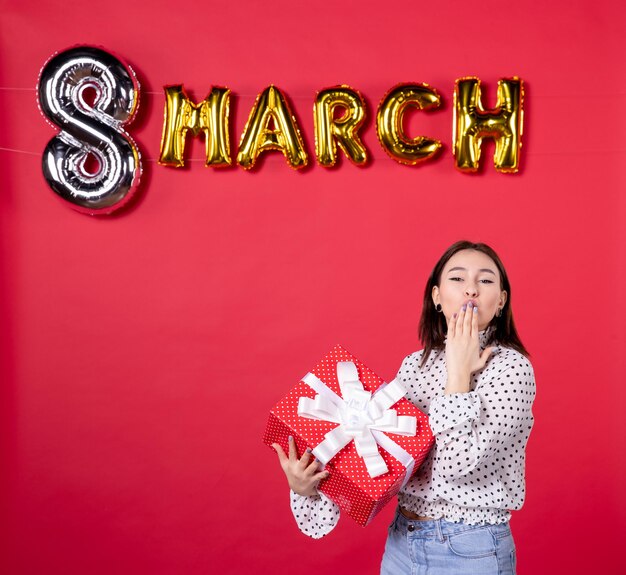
[302, 473]
[463, 355]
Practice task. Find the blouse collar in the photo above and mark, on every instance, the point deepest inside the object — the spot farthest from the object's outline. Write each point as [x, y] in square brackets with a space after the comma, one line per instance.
[484, 335]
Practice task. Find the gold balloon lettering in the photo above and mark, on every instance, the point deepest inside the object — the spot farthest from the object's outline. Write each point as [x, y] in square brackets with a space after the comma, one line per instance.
[339, 114]
[342, 131]
[259, 135]
[390, 126]
[472, 123]
[210, 117]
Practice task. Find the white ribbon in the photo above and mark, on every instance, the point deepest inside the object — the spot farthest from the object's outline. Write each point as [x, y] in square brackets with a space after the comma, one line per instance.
[362, 417]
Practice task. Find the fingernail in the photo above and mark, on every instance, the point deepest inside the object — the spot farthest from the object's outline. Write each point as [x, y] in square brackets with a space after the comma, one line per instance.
[308, 450]
[464, 306]
[291, 438]
[454, 315]
[475, 310]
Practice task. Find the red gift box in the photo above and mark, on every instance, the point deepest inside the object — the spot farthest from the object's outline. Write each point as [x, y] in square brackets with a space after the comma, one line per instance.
[360, 484]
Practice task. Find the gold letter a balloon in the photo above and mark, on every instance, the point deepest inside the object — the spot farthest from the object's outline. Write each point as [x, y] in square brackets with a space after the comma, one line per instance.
[258, 136]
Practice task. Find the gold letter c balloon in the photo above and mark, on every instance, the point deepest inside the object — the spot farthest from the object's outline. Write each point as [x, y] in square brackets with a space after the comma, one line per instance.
[389, 125]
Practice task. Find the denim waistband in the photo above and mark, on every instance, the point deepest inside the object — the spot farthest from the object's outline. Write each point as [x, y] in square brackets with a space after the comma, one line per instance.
[440, 527]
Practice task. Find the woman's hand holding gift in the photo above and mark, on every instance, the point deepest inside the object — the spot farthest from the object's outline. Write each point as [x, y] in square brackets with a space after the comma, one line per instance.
[302, 474]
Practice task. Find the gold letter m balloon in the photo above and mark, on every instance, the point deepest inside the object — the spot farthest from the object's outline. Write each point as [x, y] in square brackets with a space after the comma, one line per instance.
[472, 123]
[182, 115]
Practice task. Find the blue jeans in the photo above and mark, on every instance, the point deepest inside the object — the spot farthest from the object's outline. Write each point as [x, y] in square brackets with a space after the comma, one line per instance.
[440, 547]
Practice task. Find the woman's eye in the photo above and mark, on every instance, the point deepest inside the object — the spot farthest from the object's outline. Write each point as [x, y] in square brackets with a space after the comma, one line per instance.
[459, 279]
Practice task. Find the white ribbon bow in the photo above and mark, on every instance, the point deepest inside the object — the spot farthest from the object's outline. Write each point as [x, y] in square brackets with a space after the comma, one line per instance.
[361, 416]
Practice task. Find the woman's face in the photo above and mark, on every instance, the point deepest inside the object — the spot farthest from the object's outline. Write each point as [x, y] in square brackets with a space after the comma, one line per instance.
[470, 275]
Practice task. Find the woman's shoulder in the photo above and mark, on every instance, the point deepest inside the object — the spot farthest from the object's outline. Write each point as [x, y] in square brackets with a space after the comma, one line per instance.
[413, 358]
[410, 362]
[413, 361]
[512, 355]
[508, 358]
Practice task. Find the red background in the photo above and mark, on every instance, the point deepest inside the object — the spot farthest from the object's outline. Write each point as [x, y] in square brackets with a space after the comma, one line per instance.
[141, 352]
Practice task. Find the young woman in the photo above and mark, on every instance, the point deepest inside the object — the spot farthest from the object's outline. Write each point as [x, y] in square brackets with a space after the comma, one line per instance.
[475, 381]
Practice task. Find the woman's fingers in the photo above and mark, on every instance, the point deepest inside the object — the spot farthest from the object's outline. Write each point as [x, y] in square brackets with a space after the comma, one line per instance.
[321, 475]
[282, 456]
[452, 324]
[293, 451]
[484, 356]
[311, 469]
[475, 321]
[293, 454]
[306, 456]
[312, 466]
[464, 322]
[302, 474]
[467, 320]
[459, 321]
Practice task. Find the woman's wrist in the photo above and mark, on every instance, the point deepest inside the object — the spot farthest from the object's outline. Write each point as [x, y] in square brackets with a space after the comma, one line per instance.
[312, 492]
[457, 383]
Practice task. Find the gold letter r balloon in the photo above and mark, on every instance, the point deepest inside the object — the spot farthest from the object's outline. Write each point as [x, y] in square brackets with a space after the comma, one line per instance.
[331, 131]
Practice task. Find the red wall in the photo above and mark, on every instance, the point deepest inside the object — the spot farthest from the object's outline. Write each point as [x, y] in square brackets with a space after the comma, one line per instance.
[141, 352]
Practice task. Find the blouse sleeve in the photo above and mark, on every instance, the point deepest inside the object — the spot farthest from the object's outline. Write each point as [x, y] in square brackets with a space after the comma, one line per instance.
[470, 428]
[316, 515]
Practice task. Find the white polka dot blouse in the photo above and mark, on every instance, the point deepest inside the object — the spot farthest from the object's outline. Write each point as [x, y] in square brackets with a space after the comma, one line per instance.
[475, 471]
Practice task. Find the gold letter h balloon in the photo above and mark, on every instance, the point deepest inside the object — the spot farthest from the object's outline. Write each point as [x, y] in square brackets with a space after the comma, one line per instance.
[472, 123]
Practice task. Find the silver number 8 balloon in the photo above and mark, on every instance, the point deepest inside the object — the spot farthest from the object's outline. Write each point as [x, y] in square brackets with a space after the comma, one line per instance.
[90, 128]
